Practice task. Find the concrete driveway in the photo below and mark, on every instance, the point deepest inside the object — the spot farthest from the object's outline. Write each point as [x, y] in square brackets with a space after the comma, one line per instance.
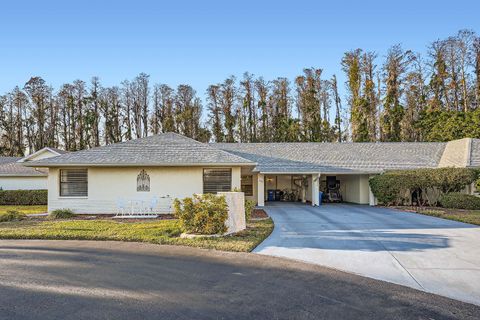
[422, 252]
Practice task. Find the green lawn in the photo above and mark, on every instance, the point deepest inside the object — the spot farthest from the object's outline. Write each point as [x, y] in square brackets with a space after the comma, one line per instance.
[467, 216]
[24, 209]
[158, 231]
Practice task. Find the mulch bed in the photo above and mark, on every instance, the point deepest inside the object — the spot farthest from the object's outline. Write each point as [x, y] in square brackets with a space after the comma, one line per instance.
[106, 217]
[441, 209]
[259, 214]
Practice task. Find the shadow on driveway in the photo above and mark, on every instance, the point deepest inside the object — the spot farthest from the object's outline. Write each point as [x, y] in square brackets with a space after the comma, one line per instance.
[422, 252]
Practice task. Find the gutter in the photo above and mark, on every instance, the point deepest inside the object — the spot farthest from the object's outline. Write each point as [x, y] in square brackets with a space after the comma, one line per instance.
[23, 175]
[169, 164]
[318, 172]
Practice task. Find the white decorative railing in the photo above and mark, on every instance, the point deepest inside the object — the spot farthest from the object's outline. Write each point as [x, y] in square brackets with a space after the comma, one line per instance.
[144, 208]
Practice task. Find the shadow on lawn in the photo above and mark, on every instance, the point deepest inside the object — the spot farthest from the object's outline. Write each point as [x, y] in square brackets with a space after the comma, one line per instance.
[80, 280]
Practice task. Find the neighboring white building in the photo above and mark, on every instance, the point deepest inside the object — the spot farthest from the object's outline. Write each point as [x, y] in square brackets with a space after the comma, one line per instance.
[171, 165]
[15, 176]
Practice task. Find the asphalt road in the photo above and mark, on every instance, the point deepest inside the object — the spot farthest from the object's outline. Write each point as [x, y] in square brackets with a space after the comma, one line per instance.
[115, 280]
[426, 253]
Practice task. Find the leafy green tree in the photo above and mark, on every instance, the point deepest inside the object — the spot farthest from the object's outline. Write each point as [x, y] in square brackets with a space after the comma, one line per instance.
[309, 88]
[216, 118]
[228, 94]
[280, 110]
[395, 68]
[352, 66]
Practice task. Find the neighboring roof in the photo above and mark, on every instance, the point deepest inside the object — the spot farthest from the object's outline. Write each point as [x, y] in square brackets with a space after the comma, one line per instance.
[475, 153]
[166, 149]
[4, 160]
[59, 151]
[9, 166]
[52, 151]
[310, 157]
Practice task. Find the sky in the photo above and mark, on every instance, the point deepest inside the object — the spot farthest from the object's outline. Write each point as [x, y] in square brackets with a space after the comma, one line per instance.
[203, 42]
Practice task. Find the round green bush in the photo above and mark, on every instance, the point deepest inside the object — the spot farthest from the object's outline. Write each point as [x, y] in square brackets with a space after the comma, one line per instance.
[460, 201]
[61, 214]
[202, 214]
[249, 206]
[12, 215]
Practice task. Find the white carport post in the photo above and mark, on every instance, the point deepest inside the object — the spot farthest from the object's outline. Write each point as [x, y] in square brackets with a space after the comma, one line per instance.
[304, 190]
[315, 189]
[372, 200]
[260, 190]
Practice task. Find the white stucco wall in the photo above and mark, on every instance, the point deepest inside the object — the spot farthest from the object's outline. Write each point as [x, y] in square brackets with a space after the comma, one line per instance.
[236, 211]
[23, 183]
[354, 188]
[107, 185]
[254, 195]
[237, 178]
[308, 189]
[456, 154]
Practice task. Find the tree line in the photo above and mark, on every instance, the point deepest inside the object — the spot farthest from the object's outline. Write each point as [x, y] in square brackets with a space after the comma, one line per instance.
[400, 97]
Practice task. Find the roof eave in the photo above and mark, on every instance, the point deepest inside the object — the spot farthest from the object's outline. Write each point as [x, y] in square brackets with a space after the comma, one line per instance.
[319, 172]
[225, 164]
[23, 175]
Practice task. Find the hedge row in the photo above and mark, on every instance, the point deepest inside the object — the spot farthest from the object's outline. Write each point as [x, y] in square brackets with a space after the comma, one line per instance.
[23, 197]
[428, 185]
[460, 201]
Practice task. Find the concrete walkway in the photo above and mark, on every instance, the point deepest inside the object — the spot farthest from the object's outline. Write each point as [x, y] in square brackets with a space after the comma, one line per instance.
[422, 252]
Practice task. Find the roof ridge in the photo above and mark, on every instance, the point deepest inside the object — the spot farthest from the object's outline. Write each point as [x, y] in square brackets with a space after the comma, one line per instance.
[332, 143]
[206, 144]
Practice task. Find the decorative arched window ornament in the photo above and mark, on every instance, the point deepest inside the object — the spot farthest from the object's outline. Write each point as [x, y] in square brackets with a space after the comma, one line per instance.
[143, 181]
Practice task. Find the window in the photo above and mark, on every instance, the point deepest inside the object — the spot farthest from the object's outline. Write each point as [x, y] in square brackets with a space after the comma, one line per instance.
[247, 185]
[143, 181]
[73, 183]
[217, 180]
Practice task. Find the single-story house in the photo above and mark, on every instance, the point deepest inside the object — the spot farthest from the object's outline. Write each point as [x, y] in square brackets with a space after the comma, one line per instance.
[174, 166]
[15, 176]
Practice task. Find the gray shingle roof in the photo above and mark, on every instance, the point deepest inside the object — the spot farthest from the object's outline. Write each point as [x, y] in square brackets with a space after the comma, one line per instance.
[4, 160]
[10, 167]
[159, 150]
[59, 151]
[475, 153]
[337, 157]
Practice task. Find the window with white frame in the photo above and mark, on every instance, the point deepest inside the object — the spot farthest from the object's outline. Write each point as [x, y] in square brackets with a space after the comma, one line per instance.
[73, 182]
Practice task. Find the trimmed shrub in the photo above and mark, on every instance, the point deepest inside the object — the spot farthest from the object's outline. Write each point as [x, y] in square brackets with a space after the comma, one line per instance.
[396, 187]
[460, 201]
[61, 214]
[202, 214]
[249, 205]
[12, 215]
[23, 197]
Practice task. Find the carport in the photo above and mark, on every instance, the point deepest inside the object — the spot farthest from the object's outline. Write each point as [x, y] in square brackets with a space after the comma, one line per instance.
[354, 188]
[278, 164]
[305, 187]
